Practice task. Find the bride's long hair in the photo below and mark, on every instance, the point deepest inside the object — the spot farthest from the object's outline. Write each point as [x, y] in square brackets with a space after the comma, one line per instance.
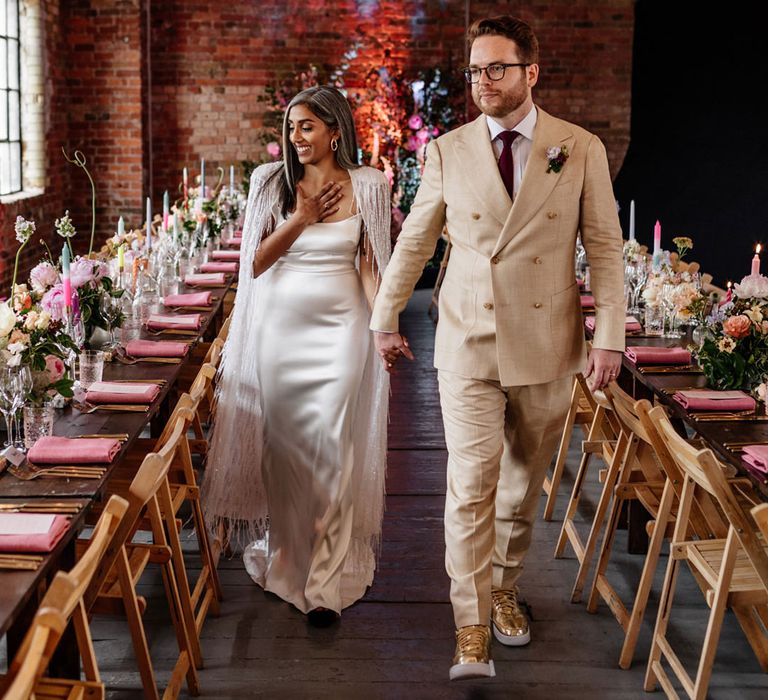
[331, 108]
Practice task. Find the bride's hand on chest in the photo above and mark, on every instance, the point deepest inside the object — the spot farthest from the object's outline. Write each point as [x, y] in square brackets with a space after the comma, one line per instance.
[315, 208]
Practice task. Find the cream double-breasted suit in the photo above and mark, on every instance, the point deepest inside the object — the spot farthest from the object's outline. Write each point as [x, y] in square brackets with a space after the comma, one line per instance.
[510, 333]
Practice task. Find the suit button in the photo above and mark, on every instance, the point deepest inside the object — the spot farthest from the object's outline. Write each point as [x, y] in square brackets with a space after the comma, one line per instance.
[475, 215]
[537, 261]
[495, 259]
[537, 305]
[551, 214]
[488, 306]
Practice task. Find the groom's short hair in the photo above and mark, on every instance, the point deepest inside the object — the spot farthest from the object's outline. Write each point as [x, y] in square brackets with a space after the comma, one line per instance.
[510, 27]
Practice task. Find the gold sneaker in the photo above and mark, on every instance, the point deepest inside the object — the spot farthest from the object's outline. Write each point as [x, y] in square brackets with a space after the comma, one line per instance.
[473, 653]
[510, 623]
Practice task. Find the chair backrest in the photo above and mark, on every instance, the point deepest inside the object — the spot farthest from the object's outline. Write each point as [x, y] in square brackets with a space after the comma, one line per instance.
[203, 381]
[760, 514]
[41, 640]
[151, 475]
[702, 467]
[224, 330]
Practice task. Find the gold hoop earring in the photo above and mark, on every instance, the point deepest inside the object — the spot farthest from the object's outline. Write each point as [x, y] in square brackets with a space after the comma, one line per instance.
[334, 144]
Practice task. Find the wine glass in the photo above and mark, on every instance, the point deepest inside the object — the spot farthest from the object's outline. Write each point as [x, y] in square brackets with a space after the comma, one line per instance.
[668, 300]
[111, 310]
[11, 399]
[25, 379]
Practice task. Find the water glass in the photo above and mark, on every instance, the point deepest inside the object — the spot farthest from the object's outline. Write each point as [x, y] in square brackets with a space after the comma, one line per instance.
[38, 422]
[91, 365]
[654, 320]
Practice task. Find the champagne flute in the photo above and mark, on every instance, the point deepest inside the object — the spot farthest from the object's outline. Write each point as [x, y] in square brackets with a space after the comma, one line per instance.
[11, 399]
[111, 310]
[25, 380]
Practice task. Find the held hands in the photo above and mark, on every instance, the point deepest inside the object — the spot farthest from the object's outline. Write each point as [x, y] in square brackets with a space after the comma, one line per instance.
[391, 346]
[602, 367]
[314, 209]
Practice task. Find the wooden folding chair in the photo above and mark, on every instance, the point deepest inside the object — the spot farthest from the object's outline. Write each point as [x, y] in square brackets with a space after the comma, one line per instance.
[606, 439]
[113, 590]
[734, 569]
[63, 602]
[581, 412]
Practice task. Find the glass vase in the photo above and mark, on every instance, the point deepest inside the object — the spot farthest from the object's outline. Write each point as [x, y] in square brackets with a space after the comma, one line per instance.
[38, 422]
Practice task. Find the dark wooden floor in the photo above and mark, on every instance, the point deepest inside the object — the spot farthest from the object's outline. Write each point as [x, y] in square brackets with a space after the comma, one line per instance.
[398, 641]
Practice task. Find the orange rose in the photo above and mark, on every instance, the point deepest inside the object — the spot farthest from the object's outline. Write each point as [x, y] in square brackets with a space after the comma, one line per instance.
[737, 326]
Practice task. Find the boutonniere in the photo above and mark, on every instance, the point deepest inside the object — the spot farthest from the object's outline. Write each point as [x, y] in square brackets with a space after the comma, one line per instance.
[557, 155]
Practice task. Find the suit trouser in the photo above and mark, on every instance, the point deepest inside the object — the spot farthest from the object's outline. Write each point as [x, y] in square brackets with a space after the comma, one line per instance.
[500, 443]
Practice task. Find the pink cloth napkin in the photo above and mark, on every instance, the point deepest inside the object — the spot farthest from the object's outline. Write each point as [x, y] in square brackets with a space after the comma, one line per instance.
[30, 541]
[238, 234]
[52, 449]
[234, 242]
[587, 300]
[228, 255]
[709, 400]
[185, 322]
[192, 299]
[156, 348]
[196, 279]
[630, 325]
[642, 355]
[219, 267]
[756, 456]
[116, 392]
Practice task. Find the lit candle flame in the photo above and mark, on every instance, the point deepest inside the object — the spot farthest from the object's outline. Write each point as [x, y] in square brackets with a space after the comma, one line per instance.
[729, 285]
[758, 248]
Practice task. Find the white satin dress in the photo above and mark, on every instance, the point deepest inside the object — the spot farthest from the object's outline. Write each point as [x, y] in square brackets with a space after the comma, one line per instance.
[311, 357]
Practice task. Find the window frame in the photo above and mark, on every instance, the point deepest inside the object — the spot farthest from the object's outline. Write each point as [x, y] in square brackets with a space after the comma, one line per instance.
[6, 8]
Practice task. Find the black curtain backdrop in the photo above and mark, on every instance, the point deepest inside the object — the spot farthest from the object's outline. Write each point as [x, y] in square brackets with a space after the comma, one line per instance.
[698, 155]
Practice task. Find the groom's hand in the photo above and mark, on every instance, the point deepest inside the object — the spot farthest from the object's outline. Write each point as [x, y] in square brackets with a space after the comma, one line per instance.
[603, 367]
[391, 346]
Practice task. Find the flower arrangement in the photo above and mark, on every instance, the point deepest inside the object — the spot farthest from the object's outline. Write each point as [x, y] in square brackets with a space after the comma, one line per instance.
[734, 353]
[30, 336]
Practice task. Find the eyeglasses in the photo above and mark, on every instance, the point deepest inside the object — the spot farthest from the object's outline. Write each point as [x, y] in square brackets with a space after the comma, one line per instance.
[495, 71]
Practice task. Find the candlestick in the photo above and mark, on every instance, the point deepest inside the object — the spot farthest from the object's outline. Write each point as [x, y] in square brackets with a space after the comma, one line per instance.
[756, 260]
[231, 179]
[120, 227]
[632, 220]
[176, 225]
[149, 224]
[730, 291]
[202, 180]
[66, 281]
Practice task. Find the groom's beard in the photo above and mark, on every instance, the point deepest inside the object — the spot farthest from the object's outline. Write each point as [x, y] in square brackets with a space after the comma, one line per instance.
[505, 101]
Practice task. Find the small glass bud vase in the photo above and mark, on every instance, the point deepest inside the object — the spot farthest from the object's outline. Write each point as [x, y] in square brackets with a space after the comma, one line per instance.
[38, 422]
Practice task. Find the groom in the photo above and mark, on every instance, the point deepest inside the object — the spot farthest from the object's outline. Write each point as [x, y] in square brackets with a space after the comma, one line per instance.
[513, 188]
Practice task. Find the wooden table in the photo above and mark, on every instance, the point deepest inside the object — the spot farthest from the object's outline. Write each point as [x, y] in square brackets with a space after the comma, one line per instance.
[20, 590]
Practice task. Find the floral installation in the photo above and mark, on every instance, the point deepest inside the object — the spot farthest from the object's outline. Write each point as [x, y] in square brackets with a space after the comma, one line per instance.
[556, 157]
[734, 353]
[632, 250]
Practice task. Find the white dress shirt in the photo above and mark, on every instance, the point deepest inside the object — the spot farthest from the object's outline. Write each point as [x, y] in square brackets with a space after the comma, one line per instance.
[521, 146]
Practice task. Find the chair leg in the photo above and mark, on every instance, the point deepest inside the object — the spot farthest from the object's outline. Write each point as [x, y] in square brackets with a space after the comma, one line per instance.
[568, 530]
[646, 579]
[206, 552]
[85, 643]
[753, 622]
[551, 487]
[597, 521]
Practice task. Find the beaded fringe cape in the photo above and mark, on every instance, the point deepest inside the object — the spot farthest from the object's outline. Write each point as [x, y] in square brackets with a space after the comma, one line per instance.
[233, 492]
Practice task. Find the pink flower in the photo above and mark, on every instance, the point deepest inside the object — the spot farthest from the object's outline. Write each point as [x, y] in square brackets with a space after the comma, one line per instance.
[53, 302]
[737, 326]
[83, 271]
[43, 276]
[412, 144]
[422, 135]
[55, 368]
[273, 149]
[415, 122]
[435, 131]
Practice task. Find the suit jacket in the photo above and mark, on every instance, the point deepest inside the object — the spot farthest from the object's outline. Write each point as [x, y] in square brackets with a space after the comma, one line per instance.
[509, 303]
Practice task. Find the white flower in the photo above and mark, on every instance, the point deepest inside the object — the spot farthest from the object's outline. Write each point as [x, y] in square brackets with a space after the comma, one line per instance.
[755, 314]
[726, 345]
[24, 229]
[16, 348]
[14, 360]
[553, 152]
[7, 319]
[43, 276]
[30, 321]
[754, 286]
[762, 391]
[43, 321]
[64, 226]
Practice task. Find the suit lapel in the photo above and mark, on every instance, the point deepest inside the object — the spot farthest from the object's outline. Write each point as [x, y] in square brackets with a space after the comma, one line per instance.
[537, 183]
[476, 157]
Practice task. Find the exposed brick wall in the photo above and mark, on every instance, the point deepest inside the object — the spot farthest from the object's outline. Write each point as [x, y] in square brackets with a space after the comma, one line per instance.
[211, 61]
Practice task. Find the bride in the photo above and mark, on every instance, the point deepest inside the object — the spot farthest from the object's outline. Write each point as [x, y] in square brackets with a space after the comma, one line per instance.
[297, 459]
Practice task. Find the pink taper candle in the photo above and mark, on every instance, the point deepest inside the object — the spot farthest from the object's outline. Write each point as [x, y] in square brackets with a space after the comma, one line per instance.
[756, 260]
[657, 238]
[66, 280]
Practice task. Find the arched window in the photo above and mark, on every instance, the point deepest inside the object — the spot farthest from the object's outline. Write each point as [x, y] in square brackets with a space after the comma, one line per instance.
[10, 99]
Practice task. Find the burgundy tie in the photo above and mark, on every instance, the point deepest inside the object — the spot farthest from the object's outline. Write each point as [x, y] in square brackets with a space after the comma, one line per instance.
[506, 164]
